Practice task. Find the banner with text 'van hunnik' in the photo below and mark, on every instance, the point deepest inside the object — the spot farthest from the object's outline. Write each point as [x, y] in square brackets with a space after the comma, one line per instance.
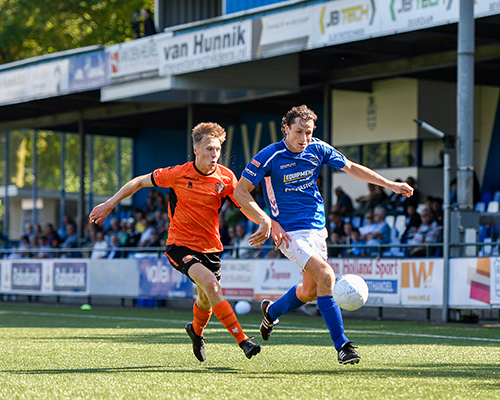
[208, 48]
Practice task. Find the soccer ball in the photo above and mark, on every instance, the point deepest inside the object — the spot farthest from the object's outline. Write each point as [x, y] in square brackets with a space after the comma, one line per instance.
[242, 307]
[350, 292]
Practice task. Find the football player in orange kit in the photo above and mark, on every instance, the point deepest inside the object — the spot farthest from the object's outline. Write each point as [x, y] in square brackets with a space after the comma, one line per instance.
[197, 191]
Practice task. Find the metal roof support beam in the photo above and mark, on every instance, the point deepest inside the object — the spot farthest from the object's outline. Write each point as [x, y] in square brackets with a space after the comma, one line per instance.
[409, 65]
[465, 106]
[89, 114]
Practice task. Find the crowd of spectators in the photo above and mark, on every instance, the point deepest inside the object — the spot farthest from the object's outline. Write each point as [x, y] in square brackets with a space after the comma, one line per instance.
[359, 231]
[356, 229]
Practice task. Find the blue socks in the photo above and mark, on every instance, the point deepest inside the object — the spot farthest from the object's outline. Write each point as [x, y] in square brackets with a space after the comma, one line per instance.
[330, 312]
[288, 302]
[333, 319]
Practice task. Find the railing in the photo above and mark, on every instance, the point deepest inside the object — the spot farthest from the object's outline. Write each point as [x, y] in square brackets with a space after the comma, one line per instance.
[375, 250]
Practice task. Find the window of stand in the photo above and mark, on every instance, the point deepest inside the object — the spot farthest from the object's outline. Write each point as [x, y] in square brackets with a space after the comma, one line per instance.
[383, 155]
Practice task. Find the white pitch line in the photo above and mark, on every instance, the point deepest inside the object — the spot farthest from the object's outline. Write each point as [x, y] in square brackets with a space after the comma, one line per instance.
[295, 328]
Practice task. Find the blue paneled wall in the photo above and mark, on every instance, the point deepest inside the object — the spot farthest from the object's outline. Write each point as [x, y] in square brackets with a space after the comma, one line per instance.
[233, 6]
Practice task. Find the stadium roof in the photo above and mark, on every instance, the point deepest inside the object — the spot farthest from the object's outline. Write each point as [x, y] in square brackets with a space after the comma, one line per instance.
[424, 54]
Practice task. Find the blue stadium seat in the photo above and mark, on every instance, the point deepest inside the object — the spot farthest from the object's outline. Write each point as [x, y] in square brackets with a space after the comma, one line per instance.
[356, 221]
[496, 196]
[486, 197]
[480, 206]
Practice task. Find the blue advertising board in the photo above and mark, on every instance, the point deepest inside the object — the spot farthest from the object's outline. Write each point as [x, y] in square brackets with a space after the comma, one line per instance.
[89, 71]
[157, 278]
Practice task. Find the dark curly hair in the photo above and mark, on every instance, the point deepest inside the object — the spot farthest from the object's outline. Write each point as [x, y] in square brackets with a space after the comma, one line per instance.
[303, 112]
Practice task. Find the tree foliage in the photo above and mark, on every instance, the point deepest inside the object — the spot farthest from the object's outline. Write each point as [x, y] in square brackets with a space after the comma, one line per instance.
[30, 28]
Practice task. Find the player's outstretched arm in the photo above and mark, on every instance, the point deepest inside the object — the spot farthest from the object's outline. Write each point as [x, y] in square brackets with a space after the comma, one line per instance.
[366, 174]
[242, 194]
[101, 211]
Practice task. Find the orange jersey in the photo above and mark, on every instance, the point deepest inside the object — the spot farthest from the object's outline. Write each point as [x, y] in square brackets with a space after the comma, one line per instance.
[195, 202]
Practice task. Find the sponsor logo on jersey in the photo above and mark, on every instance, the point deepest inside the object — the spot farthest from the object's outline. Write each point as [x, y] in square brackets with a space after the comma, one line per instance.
[298, 175]
[292, 164]
[219, 187]
[190, 178]
[250, 172]
[187, 258]
[255, 162]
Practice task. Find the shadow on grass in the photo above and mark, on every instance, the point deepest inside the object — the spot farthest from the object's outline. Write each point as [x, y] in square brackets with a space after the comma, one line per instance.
[478, 372]
[279, 338]
[113, 370]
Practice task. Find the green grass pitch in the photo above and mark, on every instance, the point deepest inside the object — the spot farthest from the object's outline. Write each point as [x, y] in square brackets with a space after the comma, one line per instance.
[67, 353]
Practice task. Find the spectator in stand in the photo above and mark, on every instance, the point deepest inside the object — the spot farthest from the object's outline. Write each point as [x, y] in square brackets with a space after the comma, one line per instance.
[149, 26]
[233, 240]
[428, 232]
[43, 247]
[375, 197]
[336, 224]
[62, 230]
[413, 221]
[437, 210]
[347, 232]
[148, 224]
[101, 247]
[344, 203]
[115, 251]
[335, 252]
[114, 229]
[28, 230]
[51, 235]
[245, 250]
[38, 230]
[380, 232]
[368, 224]
[153, 241]
[33, 245]
[355, 239]
[22, 250]
[133, 235]
[71, 241]
[90, 240]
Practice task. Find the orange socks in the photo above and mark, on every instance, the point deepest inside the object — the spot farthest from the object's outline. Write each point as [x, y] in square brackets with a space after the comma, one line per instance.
[224, 312]
[201, 318]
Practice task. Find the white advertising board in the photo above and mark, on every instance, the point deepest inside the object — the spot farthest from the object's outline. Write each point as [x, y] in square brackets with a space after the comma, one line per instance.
[381, 275]
[273, 278]
[137, 59]
[470, 282]
[237, 279]
[54, 277]
[34, 82]
[422, 282]
[203, 49]
[284, 32]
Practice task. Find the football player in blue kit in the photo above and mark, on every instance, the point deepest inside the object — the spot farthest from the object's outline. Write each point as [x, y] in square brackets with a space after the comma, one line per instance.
[289, 170]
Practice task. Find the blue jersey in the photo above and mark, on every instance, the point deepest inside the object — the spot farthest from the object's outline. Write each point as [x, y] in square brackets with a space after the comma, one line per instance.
[289, 182]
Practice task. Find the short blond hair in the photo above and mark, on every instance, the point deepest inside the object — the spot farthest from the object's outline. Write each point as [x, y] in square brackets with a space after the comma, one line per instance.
[208, 129]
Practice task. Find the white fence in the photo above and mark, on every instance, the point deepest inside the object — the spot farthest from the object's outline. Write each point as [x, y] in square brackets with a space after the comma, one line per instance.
[474, 282]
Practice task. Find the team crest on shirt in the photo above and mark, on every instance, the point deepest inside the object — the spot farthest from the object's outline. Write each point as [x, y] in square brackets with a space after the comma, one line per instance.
[187, 258]
[219, 187]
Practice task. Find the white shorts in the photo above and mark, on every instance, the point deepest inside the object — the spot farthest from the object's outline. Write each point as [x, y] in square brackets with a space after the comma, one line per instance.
[305, 244]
